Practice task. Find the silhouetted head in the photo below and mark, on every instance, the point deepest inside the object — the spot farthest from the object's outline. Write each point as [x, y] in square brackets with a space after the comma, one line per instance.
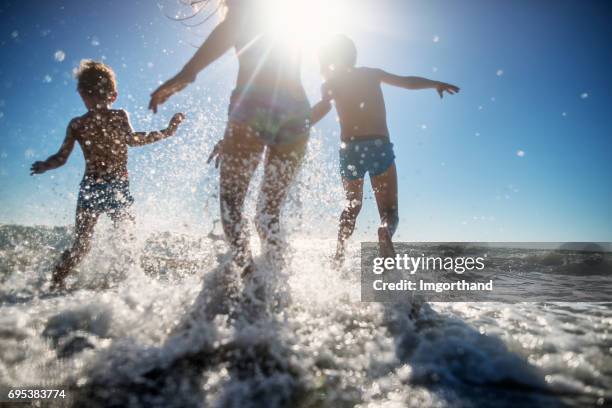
[96, 84]
[339, 53]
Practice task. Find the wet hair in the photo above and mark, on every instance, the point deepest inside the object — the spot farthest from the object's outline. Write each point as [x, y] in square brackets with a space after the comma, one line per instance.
[96, 79]
[202, 11]
[339, 50]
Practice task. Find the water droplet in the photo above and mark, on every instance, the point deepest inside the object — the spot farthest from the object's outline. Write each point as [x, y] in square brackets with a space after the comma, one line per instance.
[59, 55]
[94, 41]
[436, 39]
[47, 79]
[584, 95]
[15, 34]
[500, 72]
[520, 153]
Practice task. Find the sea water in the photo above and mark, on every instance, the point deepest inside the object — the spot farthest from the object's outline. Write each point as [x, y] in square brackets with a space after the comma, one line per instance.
[165, 323]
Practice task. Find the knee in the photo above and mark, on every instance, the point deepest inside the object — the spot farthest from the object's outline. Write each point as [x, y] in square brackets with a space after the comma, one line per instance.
[353, 208]
[391, 219]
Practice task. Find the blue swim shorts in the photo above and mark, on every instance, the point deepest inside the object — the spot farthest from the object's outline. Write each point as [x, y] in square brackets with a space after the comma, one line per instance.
[102, 195]
[372, 155]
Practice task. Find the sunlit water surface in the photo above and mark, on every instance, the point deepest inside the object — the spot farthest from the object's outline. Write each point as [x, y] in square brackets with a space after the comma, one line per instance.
[177, 328]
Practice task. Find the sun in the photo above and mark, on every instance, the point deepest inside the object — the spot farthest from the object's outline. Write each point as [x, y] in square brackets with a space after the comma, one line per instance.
[305, 23]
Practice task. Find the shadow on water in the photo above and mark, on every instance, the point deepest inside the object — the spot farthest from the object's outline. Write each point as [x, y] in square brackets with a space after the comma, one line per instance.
[246, 365]
[460, 365]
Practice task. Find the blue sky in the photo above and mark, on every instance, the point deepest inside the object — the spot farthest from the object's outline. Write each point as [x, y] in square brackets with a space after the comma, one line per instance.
[535, 78]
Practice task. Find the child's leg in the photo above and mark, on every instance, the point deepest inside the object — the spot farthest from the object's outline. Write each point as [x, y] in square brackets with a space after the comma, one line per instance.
[124, 222]
[122, 217]
[241, 155]
[353, 190]
[385, 190]
[84, 225]
[282, 164]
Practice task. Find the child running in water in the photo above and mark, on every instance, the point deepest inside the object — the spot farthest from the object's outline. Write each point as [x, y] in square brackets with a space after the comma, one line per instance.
[104, 135]
[365, 147]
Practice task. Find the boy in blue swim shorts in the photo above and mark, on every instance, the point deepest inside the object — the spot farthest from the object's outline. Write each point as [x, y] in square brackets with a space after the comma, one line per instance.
[365, 145]
[104, 135]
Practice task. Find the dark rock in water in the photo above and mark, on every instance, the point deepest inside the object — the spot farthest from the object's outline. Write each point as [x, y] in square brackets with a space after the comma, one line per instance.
[73, 331]
[74, 344]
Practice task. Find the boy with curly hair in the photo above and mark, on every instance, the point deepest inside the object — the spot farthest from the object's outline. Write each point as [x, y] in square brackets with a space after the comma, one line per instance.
[104, 135]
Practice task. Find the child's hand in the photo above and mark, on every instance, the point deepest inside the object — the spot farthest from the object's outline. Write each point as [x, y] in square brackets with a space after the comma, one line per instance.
[216, 154]
[175, 122]
[38, 167]
[442, 87]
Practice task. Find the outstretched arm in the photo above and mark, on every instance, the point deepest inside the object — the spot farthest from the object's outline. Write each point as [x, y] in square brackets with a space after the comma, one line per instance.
[59, 158]
[144, 138]
[414, 82]
[319, 111]
[323, 107]
[218, 42]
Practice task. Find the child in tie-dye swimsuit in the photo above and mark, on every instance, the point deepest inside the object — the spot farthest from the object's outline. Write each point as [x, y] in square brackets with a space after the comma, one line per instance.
[268, 112]
[365, 147]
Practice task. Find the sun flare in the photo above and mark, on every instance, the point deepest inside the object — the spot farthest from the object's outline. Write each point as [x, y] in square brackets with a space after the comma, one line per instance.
[305, 23]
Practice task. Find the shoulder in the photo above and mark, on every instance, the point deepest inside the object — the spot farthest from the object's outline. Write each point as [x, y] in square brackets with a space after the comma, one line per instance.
[120, 116]
[119, 113]
[76, 124]
[371, 73]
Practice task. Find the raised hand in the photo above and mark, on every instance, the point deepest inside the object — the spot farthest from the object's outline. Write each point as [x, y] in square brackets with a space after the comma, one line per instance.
[444, 87]
[166, 90]
[175, 122]
[38, 167]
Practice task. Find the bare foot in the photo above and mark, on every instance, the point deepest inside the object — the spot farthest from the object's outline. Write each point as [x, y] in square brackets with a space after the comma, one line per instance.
[385, 245]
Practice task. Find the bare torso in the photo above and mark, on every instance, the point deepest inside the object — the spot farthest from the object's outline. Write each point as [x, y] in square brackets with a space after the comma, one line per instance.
[360, 103]
[102, 135]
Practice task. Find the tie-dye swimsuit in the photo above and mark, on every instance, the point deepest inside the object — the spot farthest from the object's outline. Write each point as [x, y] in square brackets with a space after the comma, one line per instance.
[275, 116]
